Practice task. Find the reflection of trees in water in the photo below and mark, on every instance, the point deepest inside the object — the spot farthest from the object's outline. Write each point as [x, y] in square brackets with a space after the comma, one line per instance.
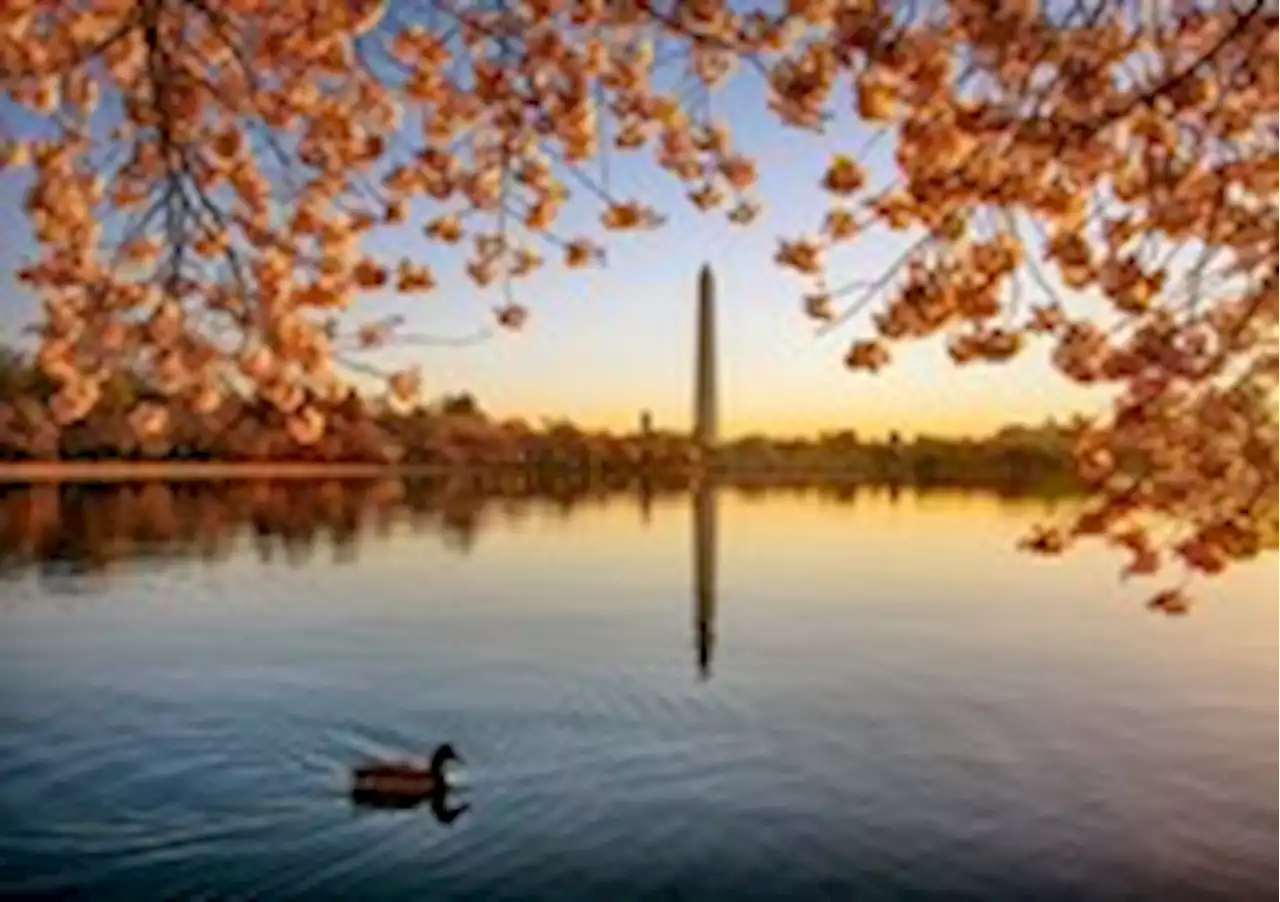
[87, 528]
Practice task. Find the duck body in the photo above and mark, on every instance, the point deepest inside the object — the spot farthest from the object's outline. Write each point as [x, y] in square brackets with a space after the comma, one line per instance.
[394, 780]
[402, 784]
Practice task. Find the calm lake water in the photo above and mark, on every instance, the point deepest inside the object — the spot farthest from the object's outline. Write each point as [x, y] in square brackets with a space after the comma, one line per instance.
[785, 695]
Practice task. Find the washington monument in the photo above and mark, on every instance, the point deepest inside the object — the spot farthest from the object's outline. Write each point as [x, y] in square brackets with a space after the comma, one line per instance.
[704, 403]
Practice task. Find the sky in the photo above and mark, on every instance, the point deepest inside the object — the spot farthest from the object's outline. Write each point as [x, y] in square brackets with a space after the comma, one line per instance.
[602, 345]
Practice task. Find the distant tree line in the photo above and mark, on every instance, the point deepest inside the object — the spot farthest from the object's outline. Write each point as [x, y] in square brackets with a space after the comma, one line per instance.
[1016, 455]
[455, 431]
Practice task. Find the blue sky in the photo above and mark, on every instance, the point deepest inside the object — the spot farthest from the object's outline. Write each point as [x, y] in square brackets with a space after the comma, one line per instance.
[603, 344]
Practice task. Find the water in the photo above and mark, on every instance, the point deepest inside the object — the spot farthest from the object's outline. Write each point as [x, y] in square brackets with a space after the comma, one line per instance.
[783, 695]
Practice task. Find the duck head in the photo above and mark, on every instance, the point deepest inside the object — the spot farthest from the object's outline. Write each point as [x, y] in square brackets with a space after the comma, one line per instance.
[443, 755]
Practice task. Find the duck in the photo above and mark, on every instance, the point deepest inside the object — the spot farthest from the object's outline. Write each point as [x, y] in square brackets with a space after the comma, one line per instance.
[403, 784]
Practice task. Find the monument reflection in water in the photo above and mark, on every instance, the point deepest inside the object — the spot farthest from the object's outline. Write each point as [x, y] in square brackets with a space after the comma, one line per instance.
[704, 574]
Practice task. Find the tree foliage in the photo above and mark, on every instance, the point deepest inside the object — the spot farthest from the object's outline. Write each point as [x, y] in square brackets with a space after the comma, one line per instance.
[206, 172]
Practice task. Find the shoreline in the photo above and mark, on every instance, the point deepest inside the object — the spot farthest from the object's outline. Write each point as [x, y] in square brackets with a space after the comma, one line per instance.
[19, 472]
[40, 471]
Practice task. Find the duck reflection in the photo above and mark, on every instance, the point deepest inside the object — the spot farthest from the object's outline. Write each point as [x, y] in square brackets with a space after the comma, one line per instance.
[705, 518]
[437, 803]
